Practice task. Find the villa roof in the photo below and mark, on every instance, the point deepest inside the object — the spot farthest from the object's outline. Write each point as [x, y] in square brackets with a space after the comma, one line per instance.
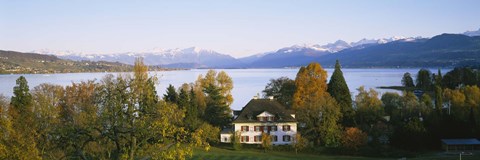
[256, 106]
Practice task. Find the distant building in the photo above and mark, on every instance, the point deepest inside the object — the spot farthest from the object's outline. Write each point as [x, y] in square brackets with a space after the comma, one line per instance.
[263, 116]
[453, 145]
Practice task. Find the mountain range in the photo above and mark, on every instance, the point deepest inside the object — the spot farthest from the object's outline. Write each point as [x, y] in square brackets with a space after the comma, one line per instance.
[445, 50]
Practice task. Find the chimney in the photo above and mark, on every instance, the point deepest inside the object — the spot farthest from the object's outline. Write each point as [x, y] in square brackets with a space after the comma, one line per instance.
[255, 97]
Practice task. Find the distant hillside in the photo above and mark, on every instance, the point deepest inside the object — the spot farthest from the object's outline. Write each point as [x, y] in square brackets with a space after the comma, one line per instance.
[446, 50]
[17, 62]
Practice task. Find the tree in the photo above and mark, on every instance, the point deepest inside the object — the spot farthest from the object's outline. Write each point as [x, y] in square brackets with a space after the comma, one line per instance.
[47, 104]
[266, 141]
[438, 99]
[438, 78]
[316, 110]
[369, 108]
[217, 92]
[299, 143]
[221, 81]
[424, 81]
[237, 145]
[23, 142]
[282, 89]
[338, 89]
[353, 138]
[392, 102]
[311, 84]
[192, 117]
[407, 80]
[77, 131]
[217, 113]
[171, 95]
[137, 124]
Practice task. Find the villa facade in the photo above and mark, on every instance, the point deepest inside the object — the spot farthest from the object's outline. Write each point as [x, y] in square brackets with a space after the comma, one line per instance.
[263, 116]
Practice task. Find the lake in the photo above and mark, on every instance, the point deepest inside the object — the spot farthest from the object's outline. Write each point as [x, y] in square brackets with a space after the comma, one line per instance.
[247, 82]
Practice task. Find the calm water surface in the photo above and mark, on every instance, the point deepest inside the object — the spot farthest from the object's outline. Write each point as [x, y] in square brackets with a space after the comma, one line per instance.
[247, 82]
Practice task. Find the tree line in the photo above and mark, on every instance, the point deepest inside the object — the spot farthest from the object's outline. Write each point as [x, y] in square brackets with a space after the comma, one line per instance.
[118, 117]
[443, 107]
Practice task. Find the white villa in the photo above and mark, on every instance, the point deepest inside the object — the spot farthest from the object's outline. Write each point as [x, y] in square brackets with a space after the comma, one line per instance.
[259, 116]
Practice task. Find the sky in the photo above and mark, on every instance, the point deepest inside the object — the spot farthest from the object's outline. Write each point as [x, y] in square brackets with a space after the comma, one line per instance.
[239, 28]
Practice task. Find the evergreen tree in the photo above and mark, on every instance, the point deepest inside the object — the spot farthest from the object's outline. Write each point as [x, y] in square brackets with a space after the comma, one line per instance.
[22, 143]
[171, 95]
[21, 102]
[424, 80]
[192, 120]
[438, 78]
[217, 113]
[407, 80]
[338, 89]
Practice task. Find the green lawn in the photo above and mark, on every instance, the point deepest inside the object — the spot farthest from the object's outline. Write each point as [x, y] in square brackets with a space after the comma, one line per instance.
[256, 154]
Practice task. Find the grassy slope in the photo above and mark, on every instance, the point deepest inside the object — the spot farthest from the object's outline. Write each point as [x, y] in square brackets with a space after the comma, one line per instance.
[256, 154]
[253, 154]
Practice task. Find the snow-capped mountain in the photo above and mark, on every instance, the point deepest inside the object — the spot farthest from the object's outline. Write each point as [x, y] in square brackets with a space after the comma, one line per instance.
[472, 33]
[192, 57]
[365, 41]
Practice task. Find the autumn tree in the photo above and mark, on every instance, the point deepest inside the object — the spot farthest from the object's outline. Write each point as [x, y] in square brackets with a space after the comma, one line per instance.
[353, 138]
[78, 120]
[282, 89]
[47, 101]
[236, 143]
[318, 113]
[311, 84]
[338, 89]
[6, 130]
[266, 141]
[217, 92]
[369, 108]
[299, 143]
[407, 80]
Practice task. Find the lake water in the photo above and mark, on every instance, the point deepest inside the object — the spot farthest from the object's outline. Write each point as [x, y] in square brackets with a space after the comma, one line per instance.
[247, 82]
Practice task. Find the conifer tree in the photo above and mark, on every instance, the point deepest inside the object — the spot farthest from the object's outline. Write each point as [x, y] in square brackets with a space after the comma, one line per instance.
[338, 89]
[171, 95]
[22, 142]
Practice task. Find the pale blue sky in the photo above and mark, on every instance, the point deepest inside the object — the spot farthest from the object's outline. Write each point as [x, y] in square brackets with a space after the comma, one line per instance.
[238, 28]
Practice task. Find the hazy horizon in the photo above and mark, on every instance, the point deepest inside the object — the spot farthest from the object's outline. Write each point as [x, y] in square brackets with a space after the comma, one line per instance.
[236, 28]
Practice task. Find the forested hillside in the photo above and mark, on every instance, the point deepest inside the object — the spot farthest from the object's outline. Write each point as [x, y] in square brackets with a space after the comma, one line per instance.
[17, 62]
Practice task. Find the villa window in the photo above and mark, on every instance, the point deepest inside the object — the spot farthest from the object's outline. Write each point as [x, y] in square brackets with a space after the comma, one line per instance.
[244, 128]
[270, 119]
[274, 128]
[286, 128]
[244, 138]
[274, 138]
[257, 138]
[286, 138]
